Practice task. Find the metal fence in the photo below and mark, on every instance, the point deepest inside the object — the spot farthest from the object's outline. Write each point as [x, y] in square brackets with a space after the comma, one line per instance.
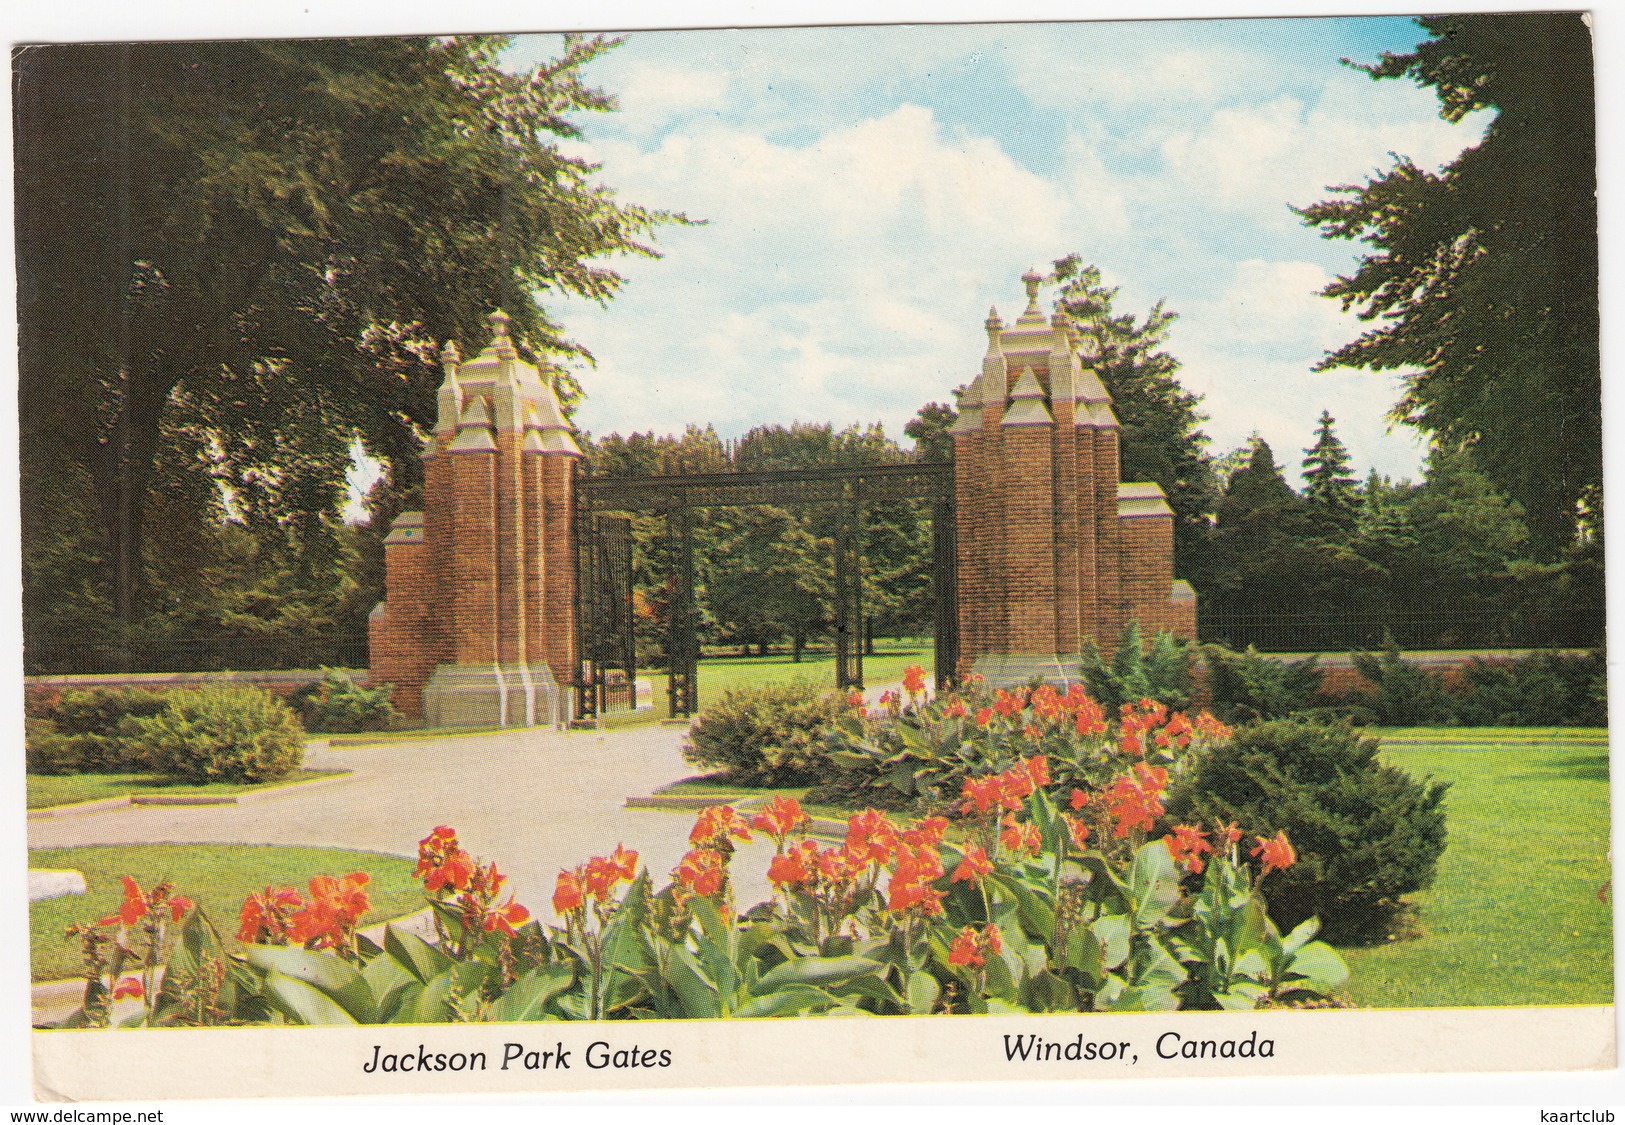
[59, 656]
[1312, 631]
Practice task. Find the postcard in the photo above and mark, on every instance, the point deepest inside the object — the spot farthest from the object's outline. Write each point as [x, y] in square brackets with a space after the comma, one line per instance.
[1063, 552]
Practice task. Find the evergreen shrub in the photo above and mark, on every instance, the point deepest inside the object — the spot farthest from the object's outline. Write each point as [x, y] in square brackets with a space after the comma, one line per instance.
[770, 735]
[339, 705]
[1246, 686]
[233, 734]
[1540, 690]
[1366, 833]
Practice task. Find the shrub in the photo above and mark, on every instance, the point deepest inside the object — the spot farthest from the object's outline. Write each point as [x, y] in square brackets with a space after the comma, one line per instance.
[1133, 674]
[1544, 689]
[770, 735]
[1365, 833]
[235, 734]
[339, 705]
[1403, 694]
[1245, 685]
[93, 731]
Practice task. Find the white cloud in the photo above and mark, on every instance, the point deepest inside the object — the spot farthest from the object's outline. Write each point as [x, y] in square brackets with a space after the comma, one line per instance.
[651, 95]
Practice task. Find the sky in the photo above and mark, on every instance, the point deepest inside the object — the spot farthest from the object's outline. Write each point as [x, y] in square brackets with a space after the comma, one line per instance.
[869, 192]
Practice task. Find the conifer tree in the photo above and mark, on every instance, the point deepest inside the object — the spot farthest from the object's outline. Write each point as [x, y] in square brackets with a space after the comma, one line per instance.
[1328, 484]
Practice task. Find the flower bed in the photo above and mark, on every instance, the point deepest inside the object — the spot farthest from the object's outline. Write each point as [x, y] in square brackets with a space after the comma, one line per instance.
[1040, 886]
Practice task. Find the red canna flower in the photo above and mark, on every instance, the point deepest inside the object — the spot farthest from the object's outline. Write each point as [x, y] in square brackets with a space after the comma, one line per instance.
[780, 817]
[701, 871]
[906, 894]
[568, 893]
[984, 716]
[129, 986]
[1037, 769]
[504, 918]
[788, 870]
[625, 863]
[1187, 846]
[1078, 830]
[132, 909]
[870, 837]
[953, 709]
[1079, 799]
[965, 950]
[178, 906]
[928, 833]
[854, 699]
[1021, 838]
[1276, 852]
[1229, 833]
[914, 679]
[716, 824]
[973, 867]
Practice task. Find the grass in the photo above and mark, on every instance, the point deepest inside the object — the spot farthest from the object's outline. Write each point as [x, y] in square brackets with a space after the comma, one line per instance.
[45, 790]
[1514, 916]
[729, 673]
[215, 876]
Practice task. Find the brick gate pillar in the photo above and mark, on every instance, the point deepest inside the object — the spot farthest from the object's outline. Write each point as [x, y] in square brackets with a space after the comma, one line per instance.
[470, 633]
[1055, 553]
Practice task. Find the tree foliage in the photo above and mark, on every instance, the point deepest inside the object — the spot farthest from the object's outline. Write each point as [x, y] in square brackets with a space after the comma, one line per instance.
[239, 258]
[1329, 487]
[1481, 283]
[1161, 421]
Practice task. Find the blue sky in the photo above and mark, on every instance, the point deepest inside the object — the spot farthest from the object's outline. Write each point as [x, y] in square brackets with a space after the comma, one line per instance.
[870, 191]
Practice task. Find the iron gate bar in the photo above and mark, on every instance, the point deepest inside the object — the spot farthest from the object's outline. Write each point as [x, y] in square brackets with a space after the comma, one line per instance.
[682, 631]
[783, 487]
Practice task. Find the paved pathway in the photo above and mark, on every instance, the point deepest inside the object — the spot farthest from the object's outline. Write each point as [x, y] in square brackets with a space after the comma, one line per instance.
[535, 801]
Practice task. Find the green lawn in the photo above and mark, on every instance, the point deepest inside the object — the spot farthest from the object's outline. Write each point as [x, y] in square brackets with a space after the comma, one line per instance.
[218, 877]
[1514, 916]
[725, 673]
[45, 790]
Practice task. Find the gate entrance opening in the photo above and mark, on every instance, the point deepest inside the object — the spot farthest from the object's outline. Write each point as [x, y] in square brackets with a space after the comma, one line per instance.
[604, 593]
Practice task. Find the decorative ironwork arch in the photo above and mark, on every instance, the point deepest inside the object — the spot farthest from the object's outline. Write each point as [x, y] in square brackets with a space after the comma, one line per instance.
[849, 490]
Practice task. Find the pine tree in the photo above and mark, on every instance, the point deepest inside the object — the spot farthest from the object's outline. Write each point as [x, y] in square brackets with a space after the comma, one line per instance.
[1328, 484]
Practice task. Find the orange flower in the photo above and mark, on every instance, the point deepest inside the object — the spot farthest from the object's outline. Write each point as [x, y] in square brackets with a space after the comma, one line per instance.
[1078, 830]
[953, 709]
[980, 794]
[1187, 846]
[264, 915]
[1015, 786]
[788, 870]
[505, 917]
[1020, 837]
[701, 871]
[625, 862]
[1079, 799]
[908, 894]
[870, 837]
[926, 834]
[716, 824]
[965, 950]
[973, 867]
[971, 949]
[129, 986]
[914, 679]
[779, 817]
[1229, 833]
[568, 893]
[1276, 852]
[1037, 769]
[854, 699]
[1007, 704]
[132, 909]
[984, 716]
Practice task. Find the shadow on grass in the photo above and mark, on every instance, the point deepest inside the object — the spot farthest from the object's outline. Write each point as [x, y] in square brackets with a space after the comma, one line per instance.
[1572, 767]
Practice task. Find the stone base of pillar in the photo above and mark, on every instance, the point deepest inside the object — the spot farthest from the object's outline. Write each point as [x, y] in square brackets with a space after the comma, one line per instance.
[486, 695]
[1021, 668]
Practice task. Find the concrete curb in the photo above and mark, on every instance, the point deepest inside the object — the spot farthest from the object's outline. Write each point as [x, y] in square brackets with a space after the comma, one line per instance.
[247, 798]
[662, 801]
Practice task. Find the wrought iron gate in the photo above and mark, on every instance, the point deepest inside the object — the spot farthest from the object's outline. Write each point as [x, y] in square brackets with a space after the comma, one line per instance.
[609, 646]
[675, 498]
